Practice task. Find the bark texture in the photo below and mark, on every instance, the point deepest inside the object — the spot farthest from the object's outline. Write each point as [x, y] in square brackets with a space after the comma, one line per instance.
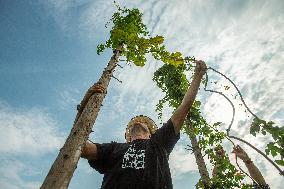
[62, 170]
[198, 156]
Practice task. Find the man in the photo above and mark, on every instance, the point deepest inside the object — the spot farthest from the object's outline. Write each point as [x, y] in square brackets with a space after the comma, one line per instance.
[142, 162]
[253, 170]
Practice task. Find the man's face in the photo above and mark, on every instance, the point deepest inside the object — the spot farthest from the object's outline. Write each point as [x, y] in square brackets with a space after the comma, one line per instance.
[140, 130]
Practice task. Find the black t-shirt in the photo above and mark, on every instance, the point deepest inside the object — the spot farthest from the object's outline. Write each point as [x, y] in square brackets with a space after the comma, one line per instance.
[140, 164]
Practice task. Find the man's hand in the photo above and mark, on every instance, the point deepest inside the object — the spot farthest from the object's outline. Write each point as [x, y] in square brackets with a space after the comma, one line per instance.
[240, 153]
[200, 67]
[96, 88]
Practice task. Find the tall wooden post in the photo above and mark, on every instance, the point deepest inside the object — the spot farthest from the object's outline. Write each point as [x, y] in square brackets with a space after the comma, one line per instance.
[62, 170]
[198, 155]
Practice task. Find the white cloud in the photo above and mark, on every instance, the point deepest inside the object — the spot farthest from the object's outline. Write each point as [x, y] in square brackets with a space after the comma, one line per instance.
[30, 131]
[181, 162]
[25, 133]
[11, 172]
[69, 98]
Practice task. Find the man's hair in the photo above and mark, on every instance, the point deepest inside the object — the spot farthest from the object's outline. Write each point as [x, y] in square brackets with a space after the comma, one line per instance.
[137, 129]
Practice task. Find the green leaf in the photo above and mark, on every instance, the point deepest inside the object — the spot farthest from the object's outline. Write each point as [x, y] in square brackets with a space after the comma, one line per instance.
[217, 124]
[254, 129]
[273, 152]
[267, 151]
[280, 162]
[197, 103]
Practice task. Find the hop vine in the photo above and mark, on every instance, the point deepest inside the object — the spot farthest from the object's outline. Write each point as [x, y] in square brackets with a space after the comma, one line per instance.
[131, 37]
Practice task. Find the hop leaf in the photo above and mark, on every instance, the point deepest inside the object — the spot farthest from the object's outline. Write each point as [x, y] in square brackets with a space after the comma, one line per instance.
[255, 128]
[280, 162]
[217, 124]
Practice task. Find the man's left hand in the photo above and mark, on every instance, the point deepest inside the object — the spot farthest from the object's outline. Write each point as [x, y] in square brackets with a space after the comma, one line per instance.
[200, 67]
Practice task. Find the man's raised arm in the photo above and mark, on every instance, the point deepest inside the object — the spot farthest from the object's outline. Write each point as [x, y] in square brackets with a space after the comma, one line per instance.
[181, 112]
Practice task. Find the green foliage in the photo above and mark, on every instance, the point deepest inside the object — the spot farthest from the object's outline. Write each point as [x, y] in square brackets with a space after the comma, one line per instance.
[275, 148]
[227, 175]
[173, 82]
[130, 35]
[209, 138]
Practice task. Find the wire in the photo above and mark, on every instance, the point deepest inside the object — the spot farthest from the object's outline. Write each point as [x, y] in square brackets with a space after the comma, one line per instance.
[241, 96]
[220, 93]
[229, 127]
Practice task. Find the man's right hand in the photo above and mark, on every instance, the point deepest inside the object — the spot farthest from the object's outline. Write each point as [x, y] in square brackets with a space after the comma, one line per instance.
[96, 88]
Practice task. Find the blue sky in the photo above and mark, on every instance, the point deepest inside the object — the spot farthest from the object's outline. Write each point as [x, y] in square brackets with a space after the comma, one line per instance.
[48, 60]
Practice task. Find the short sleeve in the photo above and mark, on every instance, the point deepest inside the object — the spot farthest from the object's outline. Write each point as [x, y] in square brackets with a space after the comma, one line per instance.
[166, 136]
[103, 163]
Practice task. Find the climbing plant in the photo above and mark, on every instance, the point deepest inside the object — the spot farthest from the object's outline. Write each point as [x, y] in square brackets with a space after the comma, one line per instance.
[173, 82]
[258, 126]
[275, 148]
[130, 35]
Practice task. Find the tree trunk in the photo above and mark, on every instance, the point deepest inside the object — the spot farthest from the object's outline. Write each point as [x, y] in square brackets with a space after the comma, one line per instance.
[62, 170]
[198, 155]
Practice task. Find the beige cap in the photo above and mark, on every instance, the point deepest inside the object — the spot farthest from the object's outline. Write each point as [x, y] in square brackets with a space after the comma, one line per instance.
[142, 119]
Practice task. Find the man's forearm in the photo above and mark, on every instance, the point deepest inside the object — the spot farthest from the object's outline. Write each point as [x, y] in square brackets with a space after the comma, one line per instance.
[181, 112]
[89, 151]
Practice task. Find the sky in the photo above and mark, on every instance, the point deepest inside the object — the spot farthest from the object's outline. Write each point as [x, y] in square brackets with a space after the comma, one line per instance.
[48, 60]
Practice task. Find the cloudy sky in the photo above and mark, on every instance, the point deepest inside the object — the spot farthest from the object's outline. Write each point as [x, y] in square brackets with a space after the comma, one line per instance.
[48, 60]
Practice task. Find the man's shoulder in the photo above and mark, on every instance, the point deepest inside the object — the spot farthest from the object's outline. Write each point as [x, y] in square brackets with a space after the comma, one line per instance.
[111, 145]
[119, 145]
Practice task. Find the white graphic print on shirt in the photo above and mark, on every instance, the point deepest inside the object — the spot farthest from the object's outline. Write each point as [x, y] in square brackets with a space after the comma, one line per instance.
[133, 158]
